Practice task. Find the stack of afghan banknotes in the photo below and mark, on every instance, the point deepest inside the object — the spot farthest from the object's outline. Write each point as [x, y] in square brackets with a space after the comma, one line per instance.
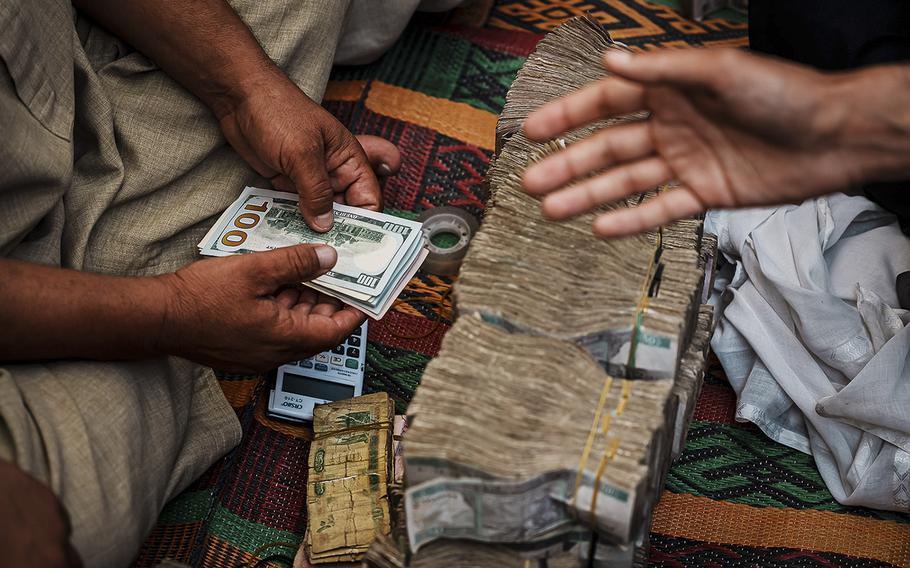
[378, 254]
[350, 471]
[354, 483]
[542, 432]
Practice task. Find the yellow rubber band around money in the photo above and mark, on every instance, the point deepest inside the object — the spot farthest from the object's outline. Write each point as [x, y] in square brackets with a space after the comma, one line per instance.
[365, 428]
[613, 446]
[592, 434]
[610, 450]
[644, 298]
[609, 454]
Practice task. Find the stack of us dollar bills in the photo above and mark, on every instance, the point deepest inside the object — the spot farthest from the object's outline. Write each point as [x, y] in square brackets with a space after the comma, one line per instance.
[377, 253]
[543, 431]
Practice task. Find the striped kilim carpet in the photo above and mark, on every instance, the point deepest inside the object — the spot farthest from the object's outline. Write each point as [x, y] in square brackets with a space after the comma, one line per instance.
[734, 498]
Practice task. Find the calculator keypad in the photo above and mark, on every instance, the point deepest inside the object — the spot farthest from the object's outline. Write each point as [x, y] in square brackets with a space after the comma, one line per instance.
[343, 364]
[341, 359]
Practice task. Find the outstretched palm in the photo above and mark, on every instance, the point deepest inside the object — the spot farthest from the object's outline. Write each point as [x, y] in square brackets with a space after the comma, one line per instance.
[731, 129]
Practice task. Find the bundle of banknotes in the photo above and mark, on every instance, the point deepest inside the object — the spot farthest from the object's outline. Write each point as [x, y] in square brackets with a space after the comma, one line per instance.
[377, 253]
[568, 57]
[350, 470]
[543, 431]
[354, 489]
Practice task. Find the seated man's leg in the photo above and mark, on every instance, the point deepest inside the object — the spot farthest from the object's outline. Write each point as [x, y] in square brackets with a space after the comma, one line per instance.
[114, 441]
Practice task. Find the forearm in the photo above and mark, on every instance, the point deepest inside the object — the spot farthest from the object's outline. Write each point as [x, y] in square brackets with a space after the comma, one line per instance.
[52, 313]
[204, 45]
[873, 121]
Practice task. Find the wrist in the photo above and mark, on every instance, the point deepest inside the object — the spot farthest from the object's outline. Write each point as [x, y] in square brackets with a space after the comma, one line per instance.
[165, 296]
[229, 89]
[873, 129]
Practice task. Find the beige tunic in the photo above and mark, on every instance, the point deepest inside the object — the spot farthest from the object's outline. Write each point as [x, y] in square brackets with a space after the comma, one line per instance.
[110, 166]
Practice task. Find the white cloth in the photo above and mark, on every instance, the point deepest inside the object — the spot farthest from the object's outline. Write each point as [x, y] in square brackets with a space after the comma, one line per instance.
[372, 26]
[813, 343]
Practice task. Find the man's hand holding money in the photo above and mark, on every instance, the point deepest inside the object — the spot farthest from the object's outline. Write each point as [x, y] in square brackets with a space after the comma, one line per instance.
[301, 148]
[239, 313]
[247, 313]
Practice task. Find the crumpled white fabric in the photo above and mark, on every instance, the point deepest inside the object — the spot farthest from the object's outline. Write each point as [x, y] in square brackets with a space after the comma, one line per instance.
[813, 343]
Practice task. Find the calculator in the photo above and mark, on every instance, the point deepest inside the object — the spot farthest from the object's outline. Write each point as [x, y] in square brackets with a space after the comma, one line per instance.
[332, 375]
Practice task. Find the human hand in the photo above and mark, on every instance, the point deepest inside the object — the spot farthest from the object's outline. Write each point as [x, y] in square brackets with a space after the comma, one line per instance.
[34, 528]
[288, 138]
[733, 129]
[247, 313]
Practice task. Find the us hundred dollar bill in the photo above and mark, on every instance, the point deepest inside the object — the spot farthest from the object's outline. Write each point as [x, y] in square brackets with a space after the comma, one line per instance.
[371, 246]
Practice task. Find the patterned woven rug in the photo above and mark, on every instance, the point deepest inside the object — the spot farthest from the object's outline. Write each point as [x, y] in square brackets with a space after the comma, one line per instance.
[733, 499]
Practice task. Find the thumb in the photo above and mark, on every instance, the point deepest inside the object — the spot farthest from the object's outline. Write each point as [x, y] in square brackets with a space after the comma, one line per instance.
[291, 265]
[312, 183]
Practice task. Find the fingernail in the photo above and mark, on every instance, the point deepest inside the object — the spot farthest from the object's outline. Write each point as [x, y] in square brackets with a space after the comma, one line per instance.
[325, 220]
[619, 57]
[327, 256]
[529, 179]
[384, 170]
[550, 208]
[602, 227]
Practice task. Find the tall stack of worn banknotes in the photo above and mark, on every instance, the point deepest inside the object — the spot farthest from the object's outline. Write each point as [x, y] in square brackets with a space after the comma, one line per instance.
[542, 432]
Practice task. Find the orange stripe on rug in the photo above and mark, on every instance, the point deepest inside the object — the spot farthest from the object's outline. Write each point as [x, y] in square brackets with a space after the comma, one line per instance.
[457, 120]
[734, 42]
[703, 519]
[238, 392]
[344, 90]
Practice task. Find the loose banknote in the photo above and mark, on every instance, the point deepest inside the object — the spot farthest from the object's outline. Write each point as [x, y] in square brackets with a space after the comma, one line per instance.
[377, 254]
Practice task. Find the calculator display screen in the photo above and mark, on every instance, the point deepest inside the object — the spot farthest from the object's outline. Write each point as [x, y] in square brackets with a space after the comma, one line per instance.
[316, 388]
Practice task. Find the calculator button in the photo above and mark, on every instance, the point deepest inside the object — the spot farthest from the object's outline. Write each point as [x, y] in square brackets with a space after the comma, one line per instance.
[321, 367]
[322, 358]
[351, 363]
[306, 364]
[356, 332]
[337, 360]
[353, 352]
[354, 341]
[338, 349]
